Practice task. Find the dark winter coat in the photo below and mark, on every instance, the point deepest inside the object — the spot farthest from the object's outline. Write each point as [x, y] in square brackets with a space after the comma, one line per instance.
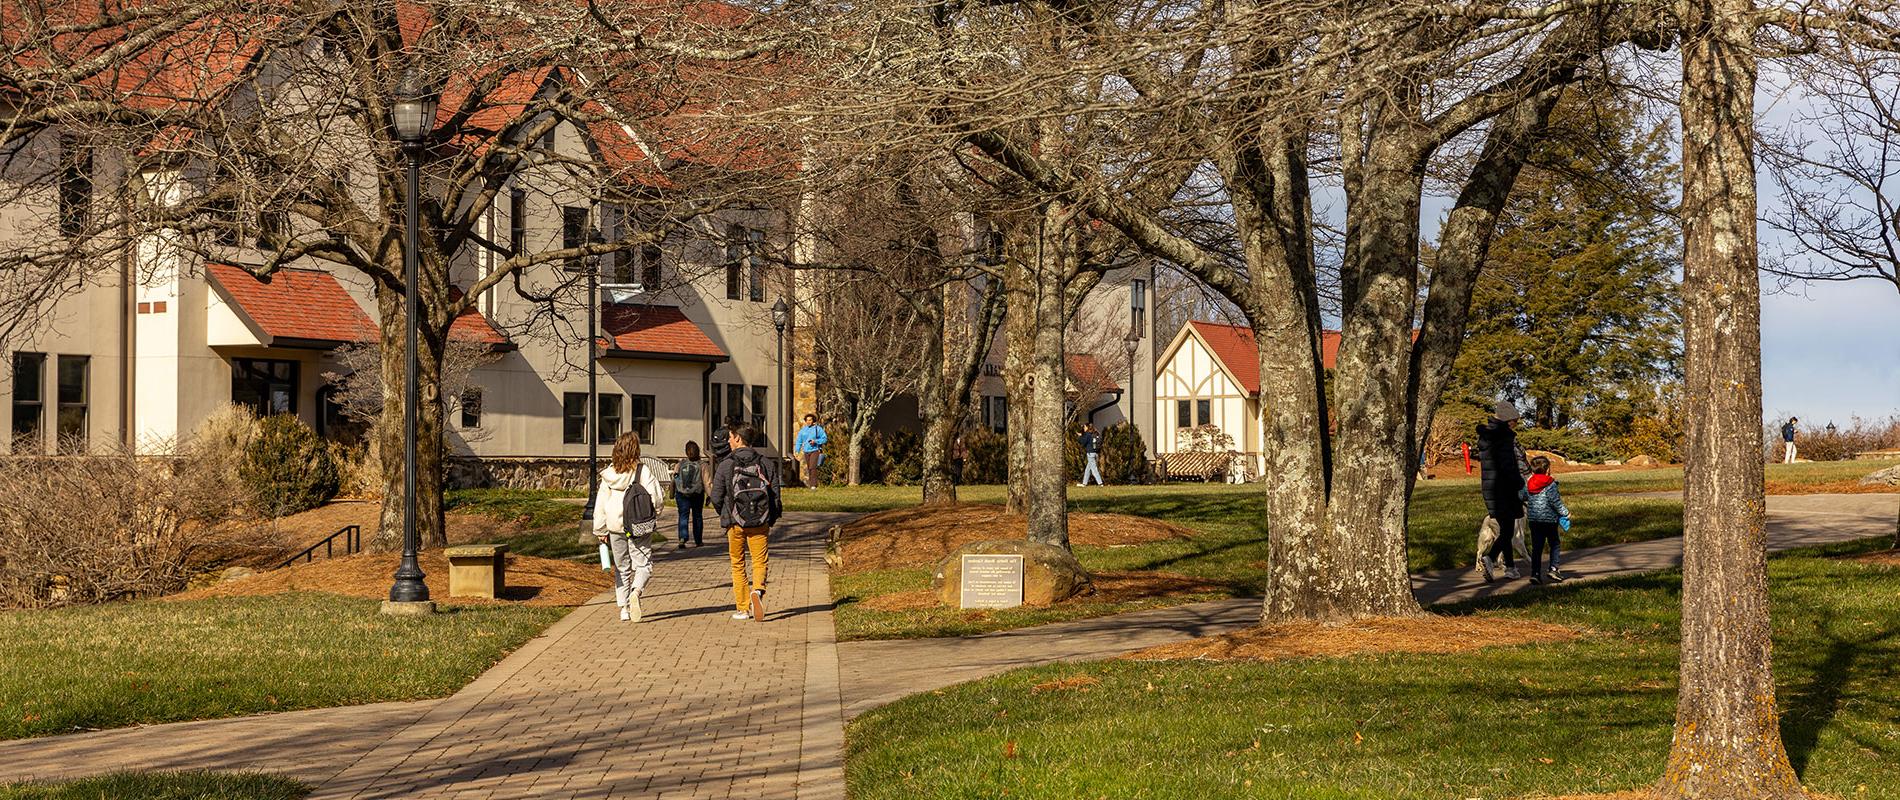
[1502, 478]
[1787, 432]
[721, 488]
[719, 445]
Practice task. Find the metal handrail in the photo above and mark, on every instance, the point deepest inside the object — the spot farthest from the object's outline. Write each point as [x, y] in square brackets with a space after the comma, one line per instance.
[352, 543]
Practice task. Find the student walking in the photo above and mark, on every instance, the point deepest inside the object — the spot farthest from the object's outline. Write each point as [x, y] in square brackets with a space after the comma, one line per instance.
[810, 447]
[1092, 453]
[626, 512]
[1546, 514]
[1787, 440]
[689, 497]
[1503, 484]
[745, 490]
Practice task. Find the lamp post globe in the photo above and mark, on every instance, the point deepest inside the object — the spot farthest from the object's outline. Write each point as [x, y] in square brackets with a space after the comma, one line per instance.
[781, 315]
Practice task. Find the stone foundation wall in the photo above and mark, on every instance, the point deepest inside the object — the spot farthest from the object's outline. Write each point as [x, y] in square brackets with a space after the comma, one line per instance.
[467, 472]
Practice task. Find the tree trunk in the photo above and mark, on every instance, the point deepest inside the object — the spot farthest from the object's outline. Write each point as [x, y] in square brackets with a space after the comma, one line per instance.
[1018, 355]
[1048, 485]
[1727, 741]
[854, 458]
[430, 531]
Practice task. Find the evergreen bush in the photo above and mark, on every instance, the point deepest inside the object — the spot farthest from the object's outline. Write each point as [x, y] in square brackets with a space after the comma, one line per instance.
[287, 468]
[987, 459]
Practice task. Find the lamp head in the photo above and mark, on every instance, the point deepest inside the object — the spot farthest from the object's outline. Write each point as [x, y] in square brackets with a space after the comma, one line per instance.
[413, 114]
[781, 315]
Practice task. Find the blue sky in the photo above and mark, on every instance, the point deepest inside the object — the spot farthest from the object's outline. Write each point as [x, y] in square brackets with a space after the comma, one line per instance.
[1830, 351]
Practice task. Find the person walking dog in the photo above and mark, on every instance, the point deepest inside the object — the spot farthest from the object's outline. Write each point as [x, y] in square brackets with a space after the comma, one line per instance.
[810, 447]
[626, 512]
[1502, 482]
[745, 490]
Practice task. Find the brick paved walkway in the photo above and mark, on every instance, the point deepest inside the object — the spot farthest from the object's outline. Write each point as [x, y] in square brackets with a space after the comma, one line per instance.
[876, 673]
[687, 704]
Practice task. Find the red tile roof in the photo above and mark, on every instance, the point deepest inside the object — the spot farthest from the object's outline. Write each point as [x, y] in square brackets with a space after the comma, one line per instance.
[1086, 370]
[295, 307]
[1233, 345]
[471, 326]
[657, 332]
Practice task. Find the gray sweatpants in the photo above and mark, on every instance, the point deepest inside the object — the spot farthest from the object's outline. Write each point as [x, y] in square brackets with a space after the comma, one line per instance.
[633, 561]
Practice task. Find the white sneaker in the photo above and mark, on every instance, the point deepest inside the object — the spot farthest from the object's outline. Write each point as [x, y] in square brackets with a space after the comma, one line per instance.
[742, 615]
[625, 616]
[632, 612]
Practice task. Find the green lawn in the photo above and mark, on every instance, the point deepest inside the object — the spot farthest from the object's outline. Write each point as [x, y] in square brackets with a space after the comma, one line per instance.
[1586, 716]
[149, 661]
[161, 786]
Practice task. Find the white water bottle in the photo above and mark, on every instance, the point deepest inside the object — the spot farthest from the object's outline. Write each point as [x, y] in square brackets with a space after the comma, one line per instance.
[606, 558]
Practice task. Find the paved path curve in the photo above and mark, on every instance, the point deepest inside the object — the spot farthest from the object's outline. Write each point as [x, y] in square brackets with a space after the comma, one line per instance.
[687, 704]
[879, 672]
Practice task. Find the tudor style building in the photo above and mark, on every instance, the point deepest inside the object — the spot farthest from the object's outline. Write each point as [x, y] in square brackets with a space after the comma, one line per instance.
[1210, 375]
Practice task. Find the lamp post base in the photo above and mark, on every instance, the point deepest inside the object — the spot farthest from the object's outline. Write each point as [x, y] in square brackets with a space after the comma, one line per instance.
[408, 608]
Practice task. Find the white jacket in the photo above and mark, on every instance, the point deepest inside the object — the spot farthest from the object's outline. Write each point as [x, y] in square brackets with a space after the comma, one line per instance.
[611, 500]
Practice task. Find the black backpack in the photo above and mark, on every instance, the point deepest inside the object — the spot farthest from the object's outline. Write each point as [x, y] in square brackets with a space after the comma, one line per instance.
[751, 494]
[637, 506]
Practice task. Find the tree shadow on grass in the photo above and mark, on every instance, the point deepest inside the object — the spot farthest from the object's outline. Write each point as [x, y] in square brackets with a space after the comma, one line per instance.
[1809, 709]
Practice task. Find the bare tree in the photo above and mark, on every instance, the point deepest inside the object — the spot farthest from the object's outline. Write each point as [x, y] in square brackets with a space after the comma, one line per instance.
[864, 343]
[216, 130]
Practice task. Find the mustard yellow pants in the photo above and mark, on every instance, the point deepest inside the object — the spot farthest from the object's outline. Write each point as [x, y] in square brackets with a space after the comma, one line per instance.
[738, 540]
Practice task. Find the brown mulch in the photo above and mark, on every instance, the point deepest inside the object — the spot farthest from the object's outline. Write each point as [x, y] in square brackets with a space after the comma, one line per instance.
[1889, 558]
[1848, 486]
[264, 545]
[922, 536]
[1110, 587]
[1427, 634]
[531, 581]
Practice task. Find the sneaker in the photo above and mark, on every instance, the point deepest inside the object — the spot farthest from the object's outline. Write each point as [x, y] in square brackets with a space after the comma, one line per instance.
[1511, 573]
[632, 612]
[625, 615]
[1555, 577]
[742, 615]
[1537, 580]
[1485, 564]
[758, 604]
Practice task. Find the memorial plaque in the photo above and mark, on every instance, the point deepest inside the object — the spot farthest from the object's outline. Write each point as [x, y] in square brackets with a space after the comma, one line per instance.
[991, 581]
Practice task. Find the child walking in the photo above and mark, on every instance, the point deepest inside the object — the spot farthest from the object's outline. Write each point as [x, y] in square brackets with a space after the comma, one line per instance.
[1545, 514]
[626, 511]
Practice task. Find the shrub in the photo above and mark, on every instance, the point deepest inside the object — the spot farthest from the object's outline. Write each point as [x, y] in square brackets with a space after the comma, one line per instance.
[1206, 439]
[1124, 456]
[900, 458]
[216, 449]
[287, 468]
[1815, 443]
[1660, 438]
[98, 528]
[1572, 445]
[987, 459]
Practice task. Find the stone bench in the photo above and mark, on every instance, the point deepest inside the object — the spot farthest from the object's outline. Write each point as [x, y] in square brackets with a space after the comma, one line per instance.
[477, 570]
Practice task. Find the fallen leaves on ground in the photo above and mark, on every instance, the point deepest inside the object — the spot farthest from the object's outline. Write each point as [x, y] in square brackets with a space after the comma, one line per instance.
[922, 536]
[1077, 682]
[1426, 634]
[530, 581]
[1890, 558]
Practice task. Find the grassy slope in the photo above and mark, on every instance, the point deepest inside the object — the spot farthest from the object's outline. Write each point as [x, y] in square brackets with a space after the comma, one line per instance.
[143, 662]
[1592, 715]
[162, 786]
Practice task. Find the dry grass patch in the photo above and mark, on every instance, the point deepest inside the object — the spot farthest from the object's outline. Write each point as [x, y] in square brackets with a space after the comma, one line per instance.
[1428, 634]
[1848, 486]
[531, 581]
[922, 536]
[1885, 558]
[1646, 794]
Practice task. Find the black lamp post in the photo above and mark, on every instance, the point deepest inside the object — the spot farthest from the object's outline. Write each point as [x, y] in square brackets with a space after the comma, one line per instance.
[781, 317]
[412, 116]
[591, 266]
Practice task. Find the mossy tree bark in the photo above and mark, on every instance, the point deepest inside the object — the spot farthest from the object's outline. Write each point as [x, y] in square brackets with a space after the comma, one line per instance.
[1727, 740]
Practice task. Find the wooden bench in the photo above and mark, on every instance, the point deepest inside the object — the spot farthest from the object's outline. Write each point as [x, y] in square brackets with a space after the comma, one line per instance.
[477, 570]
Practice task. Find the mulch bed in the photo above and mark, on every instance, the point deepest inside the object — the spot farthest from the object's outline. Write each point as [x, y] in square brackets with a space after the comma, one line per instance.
[1427, 634]
[922, 536]
[1888, 558]
[1110, 587]
[263, 544]
[531, 581]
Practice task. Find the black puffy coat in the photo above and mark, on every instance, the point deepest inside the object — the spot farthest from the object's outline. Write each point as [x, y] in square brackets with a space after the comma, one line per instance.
[1502, 476]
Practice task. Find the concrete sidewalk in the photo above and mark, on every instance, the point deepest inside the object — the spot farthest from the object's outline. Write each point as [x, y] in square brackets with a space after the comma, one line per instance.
[686, 704]
[879, 672]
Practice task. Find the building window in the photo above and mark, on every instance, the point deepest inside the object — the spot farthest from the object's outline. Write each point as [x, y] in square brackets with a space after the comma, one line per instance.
[640, 415]
[735, 260]
[266, 386]
[471, 408]
[758, 407]
[609, 418]
[546, 142]
[735, 401]
[29, 402]
[755, 257]
[73, 374]
[1183, 414]
[1137, 306]
[716, 415]
[996, 413]
[573, 229]
[75, 187]
[517, 221]
[574, 418]
[1203, 410]
[650, 267]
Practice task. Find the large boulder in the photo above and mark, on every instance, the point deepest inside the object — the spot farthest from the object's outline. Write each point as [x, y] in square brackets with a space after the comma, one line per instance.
[1886, 477]
[1050, 574]
[1641, 461]
[1555, 458]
